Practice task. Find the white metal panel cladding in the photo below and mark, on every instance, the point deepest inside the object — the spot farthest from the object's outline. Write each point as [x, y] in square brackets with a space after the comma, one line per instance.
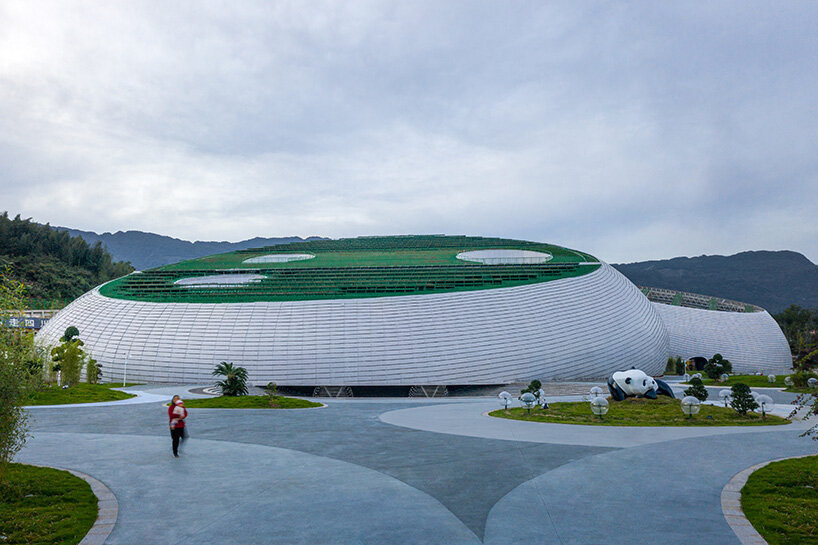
[752, 341]
[582, 327]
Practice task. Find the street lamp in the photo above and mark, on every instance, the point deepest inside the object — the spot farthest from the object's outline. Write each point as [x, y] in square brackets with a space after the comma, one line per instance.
[599, 406]
[691, 405]
[724, 395]
[125, 370]
[766, 403]
[505, 399]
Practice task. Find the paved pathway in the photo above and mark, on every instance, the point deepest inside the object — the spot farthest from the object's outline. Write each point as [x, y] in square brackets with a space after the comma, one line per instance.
[348, 474]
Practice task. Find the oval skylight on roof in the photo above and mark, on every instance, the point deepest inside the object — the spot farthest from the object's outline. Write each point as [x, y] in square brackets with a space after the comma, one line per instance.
[220, 281]
[505, 257]
[277, 258]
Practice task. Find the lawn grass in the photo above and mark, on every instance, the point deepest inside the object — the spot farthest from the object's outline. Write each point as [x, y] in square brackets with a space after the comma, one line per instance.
[249, 402]
[663, 411]
[77, 393]
[44, 506]
[757, 381]
[781, 501]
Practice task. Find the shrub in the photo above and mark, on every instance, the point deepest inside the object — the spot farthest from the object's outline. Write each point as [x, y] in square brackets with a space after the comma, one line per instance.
[272, 393]
[675, 366]
[70, 357]
[741, 399]
[93, 370]
[235, 379]
[799, 379]
[717, 366]
[697, 389]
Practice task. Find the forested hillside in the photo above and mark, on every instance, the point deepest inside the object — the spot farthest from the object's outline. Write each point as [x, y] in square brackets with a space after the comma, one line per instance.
[54, 266]
[772, 280]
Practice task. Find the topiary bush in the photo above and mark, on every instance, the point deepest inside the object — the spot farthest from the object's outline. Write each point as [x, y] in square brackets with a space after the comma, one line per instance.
[717, 366]
[697, 389]
[741, 399]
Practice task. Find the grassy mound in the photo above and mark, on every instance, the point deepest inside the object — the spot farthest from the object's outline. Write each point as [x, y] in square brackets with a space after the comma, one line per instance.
[250, 402]
[663, 411]
[44, 506]
[78, 393]
[781, 501]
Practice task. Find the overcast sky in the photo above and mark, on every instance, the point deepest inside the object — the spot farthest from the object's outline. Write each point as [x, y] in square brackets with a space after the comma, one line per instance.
[631, 131]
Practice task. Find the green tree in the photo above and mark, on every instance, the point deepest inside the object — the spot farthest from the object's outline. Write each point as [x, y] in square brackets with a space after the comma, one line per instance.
[799, 326]
[235, 379]
[70, 357]
[741, 399]
[717, 366]
[533, 387]
[18, 370]
[93, 370]
[697, 389]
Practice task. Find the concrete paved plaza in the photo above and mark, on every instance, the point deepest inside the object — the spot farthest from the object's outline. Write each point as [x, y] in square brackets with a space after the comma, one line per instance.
[399, 471]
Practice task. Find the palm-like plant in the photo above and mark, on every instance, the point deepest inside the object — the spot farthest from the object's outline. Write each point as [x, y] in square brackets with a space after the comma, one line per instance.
[235, 379]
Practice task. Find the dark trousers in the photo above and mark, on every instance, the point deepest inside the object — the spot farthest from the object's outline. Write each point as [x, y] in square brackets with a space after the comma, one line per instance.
[177, 434]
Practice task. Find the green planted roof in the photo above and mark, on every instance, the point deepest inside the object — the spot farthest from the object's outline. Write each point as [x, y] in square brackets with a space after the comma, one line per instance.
[349, 268]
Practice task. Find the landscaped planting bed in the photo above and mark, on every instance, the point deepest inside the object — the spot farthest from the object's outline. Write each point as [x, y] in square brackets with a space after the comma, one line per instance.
[781, 501]
[663, 411]
[44, 506]
[78, 393]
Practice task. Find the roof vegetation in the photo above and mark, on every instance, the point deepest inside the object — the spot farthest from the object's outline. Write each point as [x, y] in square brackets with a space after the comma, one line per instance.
[352, 268]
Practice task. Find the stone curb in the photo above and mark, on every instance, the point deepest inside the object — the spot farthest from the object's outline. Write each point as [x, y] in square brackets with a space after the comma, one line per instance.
[731, 504]
[108, 510]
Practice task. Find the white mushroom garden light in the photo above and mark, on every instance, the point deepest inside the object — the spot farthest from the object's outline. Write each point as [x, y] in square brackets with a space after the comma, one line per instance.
[766, 404]
[691, 406]
[599, 406]
[528, 400]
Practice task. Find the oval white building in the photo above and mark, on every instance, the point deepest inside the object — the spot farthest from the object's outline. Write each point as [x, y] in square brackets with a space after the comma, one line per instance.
[392, 311]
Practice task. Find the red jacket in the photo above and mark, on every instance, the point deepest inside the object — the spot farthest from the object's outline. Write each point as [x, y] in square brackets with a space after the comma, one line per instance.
[177, 420]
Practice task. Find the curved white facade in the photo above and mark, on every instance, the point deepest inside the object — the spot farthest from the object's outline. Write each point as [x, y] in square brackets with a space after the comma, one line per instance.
[573, 328]
[752, 341]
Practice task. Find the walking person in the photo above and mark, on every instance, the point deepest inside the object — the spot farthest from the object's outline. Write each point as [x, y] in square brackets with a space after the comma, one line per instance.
[176, 415]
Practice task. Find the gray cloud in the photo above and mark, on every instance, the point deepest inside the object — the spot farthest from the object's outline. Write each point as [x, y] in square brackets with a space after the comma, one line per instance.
[632, 131]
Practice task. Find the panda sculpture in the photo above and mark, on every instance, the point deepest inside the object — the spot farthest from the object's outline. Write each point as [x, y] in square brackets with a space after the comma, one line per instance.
[636, 383]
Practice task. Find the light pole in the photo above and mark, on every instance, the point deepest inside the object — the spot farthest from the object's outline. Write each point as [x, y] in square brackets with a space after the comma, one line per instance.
[125, 371]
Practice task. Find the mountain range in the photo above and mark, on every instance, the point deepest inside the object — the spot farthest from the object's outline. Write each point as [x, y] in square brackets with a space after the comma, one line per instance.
[770, 279]
[148, 250]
